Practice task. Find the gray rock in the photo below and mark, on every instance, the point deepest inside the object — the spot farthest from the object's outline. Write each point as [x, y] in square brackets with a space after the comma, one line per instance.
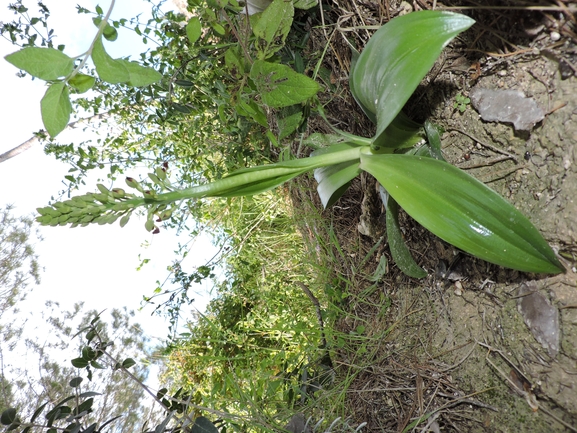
[540, 316]
[298, 424]
[507, 106]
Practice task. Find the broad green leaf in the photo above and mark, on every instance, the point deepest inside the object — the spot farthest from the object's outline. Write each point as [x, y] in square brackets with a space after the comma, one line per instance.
[56, 108]
[217, 3]
[184, 83]
[273, 26]
[108, 69]
[44, 63]
[396, 59]
[280, 86]
[401, 254]
[89, 394]
[79, 362]
[235, 61]
[140, 76]
[86, 405]
[8, 416]
[82, 82]
[462, 211]
[193, 29]
[75, 382]
[128, 362]
[218, 29]
[203, 425]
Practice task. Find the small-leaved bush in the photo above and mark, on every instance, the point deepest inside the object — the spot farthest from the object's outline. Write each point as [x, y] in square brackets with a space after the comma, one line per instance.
[246, 353]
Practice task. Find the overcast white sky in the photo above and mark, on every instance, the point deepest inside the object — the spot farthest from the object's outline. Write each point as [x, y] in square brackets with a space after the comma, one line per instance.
[95, 264]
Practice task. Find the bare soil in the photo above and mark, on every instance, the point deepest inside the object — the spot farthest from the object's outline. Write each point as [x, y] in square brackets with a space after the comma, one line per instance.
[454, 352]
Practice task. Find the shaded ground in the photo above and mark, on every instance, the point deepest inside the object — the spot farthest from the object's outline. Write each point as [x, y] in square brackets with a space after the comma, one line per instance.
[452, 351]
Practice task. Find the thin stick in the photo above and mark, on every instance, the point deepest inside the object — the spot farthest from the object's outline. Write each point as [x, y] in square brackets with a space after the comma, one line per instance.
[487, 145]
[505, 8]
[487, 163]
[460, 362]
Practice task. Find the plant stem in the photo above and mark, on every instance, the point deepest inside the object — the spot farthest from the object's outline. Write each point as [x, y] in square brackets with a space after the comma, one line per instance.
[88, 52]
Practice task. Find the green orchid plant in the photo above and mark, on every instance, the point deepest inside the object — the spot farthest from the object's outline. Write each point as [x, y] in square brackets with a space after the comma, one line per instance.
[445, 200]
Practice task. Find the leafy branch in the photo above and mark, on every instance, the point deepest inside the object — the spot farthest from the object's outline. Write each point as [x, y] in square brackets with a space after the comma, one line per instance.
[58, 70]
[67, 417]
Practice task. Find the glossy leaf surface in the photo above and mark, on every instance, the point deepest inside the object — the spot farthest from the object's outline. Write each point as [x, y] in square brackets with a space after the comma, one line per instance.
[334, 180]
[396, 59]
[463, 211]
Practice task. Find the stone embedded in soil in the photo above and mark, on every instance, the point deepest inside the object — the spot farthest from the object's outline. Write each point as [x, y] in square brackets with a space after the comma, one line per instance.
[507, 106]
[298, 424]
[540, 316]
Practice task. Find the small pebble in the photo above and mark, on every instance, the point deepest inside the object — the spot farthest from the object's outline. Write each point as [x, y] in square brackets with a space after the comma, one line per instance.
[555, 36]
[458, 288]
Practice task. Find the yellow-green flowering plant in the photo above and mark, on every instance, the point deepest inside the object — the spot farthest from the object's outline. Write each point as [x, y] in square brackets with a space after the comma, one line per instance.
[444, 199]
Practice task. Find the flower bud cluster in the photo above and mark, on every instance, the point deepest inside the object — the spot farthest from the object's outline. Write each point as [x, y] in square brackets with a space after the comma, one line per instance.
[107, 205]
[104, 207]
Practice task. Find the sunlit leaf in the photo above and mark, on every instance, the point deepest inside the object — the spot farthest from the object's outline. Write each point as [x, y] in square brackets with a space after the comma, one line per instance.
[280, 86]
[55, 107]
[139, 75]
[396, 59]
[43, 63]
[193, 29]
[108, 69]
[462, 211]
[82, 82]
[273, 26]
